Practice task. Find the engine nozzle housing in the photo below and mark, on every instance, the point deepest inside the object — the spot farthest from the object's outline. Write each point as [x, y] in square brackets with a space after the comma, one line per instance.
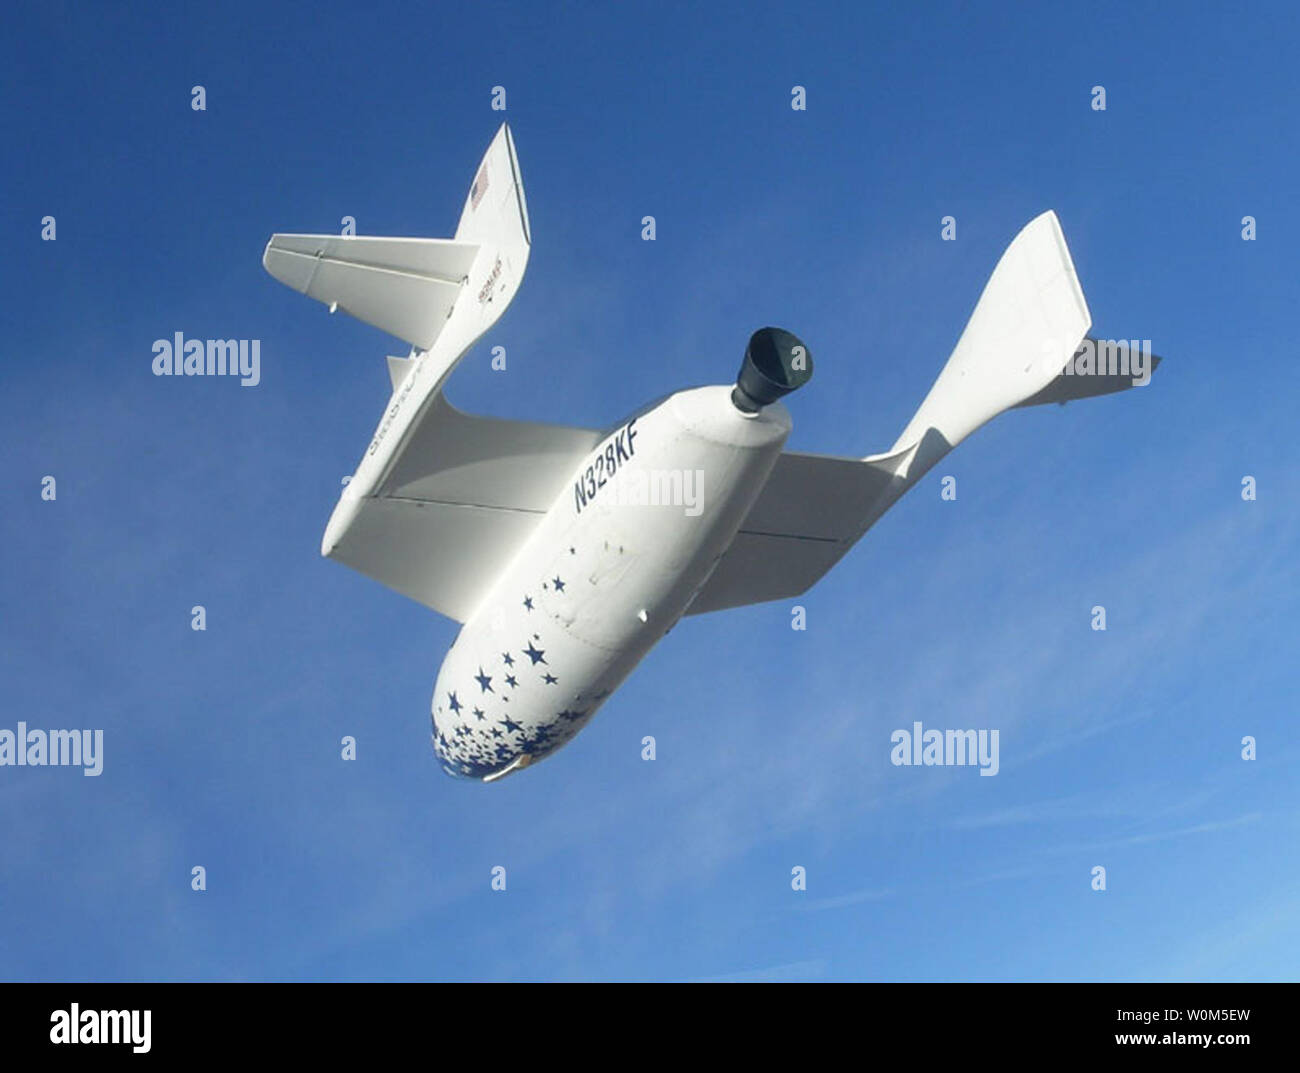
[776, 363]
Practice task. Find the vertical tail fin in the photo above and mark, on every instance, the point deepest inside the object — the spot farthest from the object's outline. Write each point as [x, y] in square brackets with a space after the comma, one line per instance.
[495, 219]
[495, 212]
[1028, 323]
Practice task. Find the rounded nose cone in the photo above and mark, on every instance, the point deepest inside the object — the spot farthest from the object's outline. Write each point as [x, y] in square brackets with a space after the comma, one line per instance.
[776, 363]
[461, 748]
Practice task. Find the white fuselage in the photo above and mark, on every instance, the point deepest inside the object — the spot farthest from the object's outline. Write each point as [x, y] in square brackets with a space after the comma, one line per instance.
[614, 564]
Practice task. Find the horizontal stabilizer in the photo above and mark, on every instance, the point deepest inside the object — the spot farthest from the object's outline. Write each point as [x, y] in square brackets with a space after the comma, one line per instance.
[1101, 375]
[404, 286]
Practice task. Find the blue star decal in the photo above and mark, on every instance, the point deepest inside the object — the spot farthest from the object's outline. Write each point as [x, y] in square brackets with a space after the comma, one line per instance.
[549, 679]
[510, 725]
[478, 712]
[455, 704]
[532, 653]
[484, 681]
[528, 602]
[511, 681]
[509, 659]
[559, 585]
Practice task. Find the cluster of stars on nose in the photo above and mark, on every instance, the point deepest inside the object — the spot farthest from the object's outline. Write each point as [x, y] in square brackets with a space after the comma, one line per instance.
[485, 738]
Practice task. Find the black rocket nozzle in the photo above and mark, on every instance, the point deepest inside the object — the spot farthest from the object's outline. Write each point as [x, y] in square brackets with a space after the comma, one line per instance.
[776, 363]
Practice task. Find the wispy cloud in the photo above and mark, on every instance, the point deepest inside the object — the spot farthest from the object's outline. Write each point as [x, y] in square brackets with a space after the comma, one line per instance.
[857, 897]
[792, 971]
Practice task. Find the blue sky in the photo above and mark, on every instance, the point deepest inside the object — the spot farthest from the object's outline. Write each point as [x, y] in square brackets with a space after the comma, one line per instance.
[1119, 749]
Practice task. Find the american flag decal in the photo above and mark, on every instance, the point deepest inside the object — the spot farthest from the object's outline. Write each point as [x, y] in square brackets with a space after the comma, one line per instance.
[479, 188]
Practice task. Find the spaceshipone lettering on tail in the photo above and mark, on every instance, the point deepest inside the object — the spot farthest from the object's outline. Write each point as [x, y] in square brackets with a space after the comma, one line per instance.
[485, 292]
[394, 408]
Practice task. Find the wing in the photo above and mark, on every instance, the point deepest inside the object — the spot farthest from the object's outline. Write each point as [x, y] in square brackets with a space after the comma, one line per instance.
[457, 503]
[811, 511]
[1028, 322]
